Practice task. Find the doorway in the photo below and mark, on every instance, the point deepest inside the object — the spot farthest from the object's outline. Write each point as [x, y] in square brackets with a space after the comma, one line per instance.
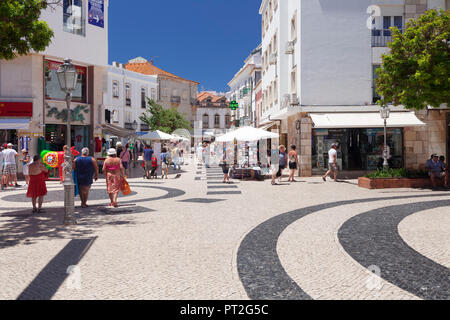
[448, 137]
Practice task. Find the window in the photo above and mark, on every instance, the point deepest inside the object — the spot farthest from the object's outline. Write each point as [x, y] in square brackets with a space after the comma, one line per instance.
[217, 121]
[275, 42]
[205, 120]
[73, 17]
[227, 120]
[128, 94]
[275, 5]
[143, 98]
[115, 89]
[153, 94]
[116, 115]
[275, 91]
[52, 88]
[294, 81]
[398, 22]
[294, 27]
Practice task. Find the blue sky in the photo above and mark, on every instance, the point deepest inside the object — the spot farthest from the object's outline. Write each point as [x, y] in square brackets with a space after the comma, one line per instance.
[202, 40]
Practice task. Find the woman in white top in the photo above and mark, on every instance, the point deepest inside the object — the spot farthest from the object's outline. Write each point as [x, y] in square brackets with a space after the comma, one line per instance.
[25, 162]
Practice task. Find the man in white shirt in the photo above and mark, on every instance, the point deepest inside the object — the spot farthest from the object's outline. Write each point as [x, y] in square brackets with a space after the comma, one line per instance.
[332, 162]
[10, 169]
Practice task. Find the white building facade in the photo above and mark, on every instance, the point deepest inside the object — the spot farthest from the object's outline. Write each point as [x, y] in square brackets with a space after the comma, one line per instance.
[319, 59]
[126, 99]
[34, 114]
[242, 88]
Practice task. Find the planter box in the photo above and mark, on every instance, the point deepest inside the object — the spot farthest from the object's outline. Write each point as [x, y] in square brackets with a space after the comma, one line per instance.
[390, 183]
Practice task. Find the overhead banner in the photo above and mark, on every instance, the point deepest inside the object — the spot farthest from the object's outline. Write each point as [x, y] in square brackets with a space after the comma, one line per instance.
[96, 15]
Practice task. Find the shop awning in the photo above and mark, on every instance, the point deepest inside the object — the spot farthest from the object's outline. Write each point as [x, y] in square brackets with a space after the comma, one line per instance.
[14, 124]
[268, 125]
[117, 131]
[364, 120]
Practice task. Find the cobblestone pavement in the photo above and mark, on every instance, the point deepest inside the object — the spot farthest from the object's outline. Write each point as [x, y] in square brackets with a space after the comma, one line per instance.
[193, 237]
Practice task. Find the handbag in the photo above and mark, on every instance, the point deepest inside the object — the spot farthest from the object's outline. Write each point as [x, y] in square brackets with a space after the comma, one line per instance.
[126, 190]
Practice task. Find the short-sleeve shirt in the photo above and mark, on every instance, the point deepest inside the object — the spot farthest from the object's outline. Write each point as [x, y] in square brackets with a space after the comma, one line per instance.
[434, 166]
[331, 155]
[9, 156]
[148, 153]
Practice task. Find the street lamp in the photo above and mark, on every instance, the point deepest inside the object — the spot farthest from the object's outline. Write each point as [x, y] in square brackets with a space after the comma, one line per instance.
[67, 77]
[384, 113]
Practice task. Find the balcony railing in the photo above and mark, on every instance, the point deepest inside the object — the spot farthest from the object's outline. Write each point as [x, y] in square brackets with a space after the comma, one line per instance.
[381, 37]
[205, 104]
[145, 127]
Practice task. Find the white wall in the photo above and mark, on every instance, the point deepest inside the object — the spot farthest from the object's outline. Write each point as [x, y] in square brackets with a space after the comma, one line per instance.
[336, 53]
[137, 81]
[90, 49]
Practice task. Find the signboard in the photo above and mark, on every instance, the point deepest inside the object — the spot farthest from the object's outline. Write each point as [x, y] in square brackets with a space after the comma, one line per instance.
[96, 13]
[234, 105]
[16, 109]
[56, 113]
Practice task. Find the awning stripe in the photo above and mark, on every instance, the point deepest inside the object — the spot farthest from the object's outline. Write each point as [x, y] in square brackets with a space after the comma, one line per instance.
[14, 124]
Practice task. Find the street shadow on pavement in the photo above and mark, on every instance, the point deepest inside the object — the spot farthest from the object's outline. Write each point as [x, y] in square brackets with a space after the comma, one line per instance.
[24, 227]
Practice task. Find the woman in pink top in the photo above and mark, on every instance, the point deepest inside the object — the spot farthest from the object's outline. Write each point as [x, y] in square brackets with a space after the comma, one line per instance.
[114, 172]
[125, 157]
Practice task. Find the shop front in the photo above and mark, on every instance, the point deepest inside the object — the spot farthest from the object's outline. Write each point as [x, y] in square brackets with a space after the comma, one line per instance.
[360, 137]
[14, 118]
[359, 149]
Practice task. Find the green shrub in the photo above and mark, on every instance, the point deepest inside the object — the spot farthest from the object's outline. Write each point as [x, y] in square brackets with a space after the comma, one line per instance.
[397, 173]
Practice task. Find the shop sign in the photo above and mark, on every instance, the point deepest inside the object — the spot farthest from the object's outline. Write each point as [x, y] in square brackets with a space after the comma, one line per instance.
[58, 114]
[96, 15]
[16, 109]
[29, 134]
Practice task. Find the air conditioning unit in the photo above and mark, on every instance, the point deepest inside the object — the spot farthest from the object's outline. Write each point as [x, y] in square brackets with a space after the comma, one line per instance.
[294, 100]
[273, 58]
[290, 47]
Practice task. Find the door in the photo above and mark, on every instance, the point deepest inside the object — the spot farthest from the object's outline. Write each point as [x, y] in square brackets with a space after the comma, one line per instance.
[448, 138]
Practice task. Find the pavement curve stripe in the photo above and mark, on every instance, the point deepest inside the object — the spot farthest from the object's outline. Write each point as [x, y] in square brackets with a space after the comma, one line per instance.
[376, 231]
[259, 267]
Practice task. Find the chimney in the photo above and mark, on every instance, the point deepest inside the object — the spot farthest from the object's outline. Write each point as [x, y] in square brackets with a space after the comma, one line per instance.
[151, 62]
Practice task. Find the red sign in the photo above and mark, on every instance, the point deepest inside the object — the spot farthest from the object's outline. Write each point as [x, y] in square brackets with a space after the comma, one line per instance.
[54, 65]
[16, 109]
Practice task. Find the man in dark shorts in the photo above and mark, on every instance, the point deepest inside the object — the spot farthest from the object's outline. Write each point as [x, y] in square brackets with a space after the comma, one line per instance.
[147, 156]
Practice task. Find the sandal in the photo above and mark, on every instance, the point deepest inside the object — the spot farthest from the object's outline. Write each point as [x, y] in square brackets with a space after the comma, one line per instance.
[40, 210]
[35, 210]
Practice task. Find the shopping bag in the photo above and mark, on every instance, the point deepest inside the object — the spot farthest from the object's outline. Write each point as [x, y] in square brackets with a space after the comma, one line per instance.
[126, 190]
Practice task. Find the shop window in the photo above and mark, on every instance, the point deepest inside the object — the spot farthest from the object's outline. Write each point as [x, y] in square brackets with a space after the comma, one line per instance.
[73, 17]
[53, 90]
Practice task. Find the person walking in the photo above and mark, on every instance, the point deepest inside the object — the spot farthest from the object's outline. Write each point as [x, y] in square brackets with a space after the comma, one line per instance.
[25, 162]
[176, 157]
[4, 181]
[125, 157]
[87, 171]
[114, 172]
[164, 163]
[154, 167]
[147, 155]
[332, 162]
[445, 170]
[37, 188]
[293, 163]
[10, 169]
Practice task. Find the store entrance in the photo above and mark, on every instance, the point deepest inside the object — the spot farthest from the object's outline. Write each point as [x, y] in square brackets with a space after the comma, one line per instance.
[55, 137]
[448, 138]
[359, 149]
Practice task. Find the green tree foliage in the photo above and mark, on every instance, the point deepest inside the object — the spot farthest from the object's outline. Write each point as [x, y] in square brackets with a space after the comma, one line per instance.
[416, 72]
[165, 120]
[21, 31]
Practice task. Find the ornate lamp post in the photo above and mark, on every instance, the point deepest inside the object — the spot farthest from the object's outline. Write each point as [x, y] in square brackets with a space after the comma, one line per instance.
[67, 77]
[384, 113]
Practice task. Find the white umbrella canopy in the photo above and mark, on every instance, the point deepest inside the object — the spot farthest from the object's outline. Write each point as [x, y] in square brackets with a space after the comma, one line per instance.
[156, 135]
[247, 134]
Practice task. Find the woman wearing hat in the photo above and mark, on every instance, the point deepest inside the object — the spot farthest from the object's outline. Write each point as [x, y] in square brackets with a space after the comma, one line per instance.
[25, 162]
[114, 172]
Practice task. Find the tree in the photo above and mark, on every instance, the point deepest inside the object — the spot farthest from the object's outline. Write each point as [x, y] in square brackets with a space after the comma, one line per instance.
[416, 71]
[21, 31]
[165, 120]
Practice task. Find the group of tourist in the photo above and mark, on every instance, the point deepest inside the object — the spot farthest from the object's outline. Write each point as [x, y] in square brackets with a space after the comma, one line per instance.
[438, 170]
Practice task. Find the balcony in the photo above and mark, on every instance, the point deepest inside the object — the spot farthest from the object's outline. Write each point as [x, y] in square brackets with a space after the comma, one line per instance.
[145, 127]
[128, 125]
[175, 99]
[381, 37]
